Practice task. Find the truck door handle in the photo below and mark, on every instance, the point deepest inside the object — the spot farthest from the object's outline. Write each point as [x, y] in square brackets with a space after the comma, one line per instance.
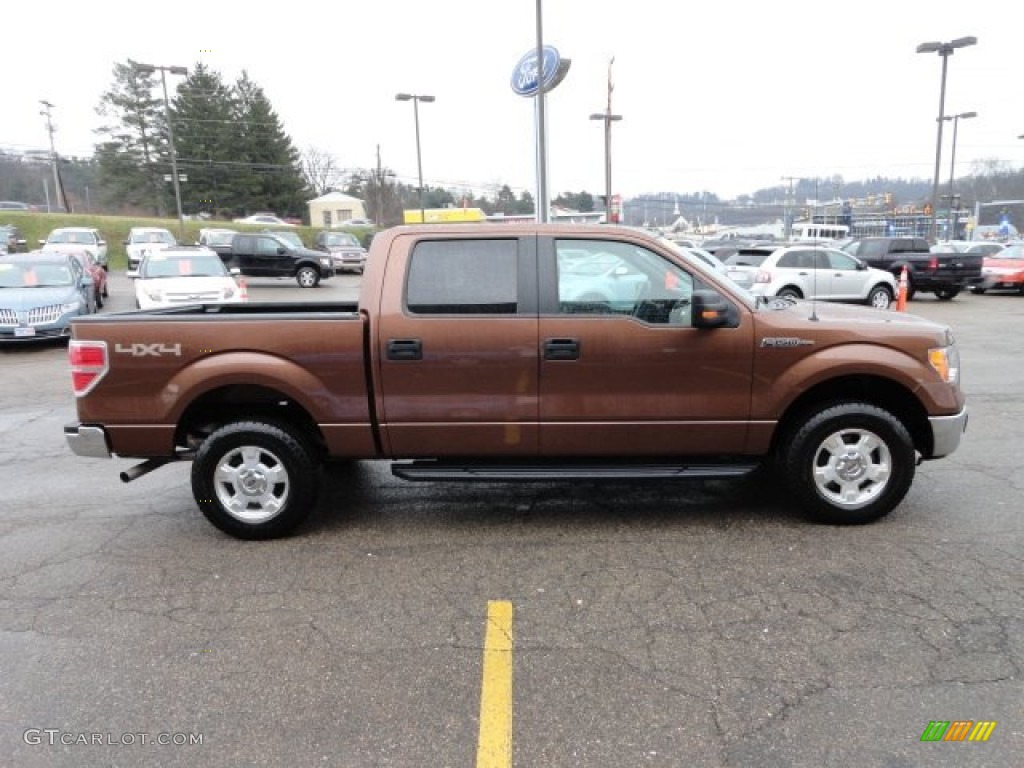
[405, 349]
[562, 349]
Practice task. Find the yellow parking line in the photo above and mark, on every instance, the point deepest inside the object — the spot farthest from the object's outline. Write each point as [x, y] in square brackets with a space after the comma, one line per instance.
[494, 748]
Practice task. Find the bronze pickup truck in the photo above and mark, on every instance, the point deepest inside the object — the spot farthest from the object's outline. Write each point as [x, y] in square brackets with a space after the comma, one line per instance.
[521, 352]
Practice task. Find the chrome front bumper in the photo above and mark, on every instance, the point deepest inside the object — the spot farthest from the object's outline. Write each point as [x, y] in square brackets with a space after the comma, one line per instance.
[87, 441]
[946, 433]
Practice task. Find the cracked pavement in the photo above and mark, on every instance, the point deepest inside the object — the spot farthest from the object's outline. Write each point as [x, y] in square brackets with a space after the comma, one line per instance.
[703, 624]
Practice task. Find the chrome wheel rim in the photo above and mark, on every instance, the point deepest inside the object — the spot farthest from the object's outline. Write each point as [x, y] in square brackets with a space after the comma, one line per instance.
[252, 484]
[307, 278]
[852, 468]
[880, 300]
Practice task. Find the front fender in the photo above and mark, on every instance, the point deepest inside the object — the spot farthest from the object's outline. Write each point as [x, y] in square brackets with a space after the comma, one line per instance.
[776, 390]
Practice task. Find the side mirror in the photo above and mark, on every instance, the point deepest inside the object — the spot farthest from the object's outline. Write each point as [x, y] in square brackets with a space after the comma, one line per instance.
[102, 242]
[125, 242]
[281, 250]
[708, 309]
[132, 273]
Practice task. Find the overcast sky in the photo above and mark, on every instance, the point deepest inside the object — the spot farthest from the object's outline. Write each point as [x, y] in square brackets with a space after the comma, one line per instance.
[727, 96]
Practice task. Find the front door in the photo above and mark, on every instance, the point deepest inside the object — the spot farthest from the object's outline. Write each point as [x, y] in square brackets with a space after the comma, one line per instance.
[622, 373]
[456, 345]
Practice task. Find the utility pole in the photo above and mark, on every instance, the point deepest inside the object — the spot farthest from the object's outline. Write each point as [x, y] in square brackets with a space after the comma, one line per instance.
[45, 112]
[788, 229]
[608, 118]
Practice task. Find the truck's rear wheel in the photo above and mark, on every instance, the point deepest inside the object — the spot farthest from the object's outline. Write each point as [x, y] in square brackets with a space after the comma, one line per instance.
[849, 464]
[945, 294]
[255, 480]
[307, 277]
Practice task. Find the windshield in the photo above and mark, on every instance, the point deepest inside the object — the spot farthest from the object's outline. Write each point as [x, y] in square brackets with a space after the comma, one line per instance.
[82, 238]
[191, 265]
[289, 237]
[158, 236]
[341, 238]
[219, 238]
[37, 275]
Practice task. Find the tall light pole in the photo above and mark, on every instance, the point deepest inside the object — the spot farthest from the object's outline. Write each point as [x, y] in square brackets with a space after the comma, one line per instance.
[608, 119]
[145, 69]
[45, 112]
[416, 99]
[945, 50]
[952, 165]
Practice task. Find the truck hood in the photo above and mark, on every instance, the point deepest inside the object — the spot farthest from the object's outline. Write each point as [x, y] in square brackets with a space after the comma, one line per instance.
[828, 322]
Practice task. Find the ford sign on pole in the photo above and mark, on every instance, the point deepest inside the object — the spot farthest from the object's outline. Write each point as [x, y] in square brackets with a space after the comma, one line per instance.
[524, 76]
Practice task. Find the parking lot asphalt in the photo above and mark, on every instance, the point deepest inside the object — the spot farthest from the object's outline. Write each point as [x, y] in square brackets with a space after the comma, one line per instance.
[698, 624]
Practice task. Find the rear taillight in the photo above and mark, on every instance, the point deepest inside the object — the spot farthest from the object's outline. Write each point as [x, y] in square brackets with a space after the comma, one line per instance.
[933, 263]
[763, 276]
[88, 364]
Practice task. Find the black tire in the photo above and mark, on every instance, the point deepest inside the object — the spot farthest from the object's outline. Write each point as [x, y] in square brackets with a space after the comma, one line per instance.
[978, 289]
[307, 277]
[789, 292]
[231, 486]
[945, 294]
[880, 297]
[856, 450]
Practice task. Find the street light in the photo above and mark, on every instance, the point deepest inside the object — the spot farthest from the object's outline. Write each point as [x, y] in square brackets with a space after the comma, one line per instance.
[952, 165]
[416, 99]
[145, 69]
[944, 50]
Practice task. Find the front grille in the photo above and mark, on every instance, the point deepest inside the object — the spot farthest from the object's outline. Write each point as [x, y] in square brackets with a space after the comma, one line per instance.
[41, 315]
[197, 297]
[8, 317]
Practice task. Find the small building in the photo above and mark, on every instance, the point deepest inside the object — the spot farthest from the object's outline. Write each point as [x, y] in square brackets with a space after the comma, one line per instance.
[335, 209]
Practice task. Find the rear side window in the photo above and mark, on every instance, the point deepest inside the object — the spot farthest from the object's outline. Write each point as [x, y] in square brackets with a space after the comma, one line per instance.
[463, 277]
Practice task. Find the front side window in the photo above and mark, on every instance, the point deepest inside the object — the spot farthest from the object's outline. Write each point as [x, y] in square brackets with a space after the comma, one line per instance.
[615, 278]
[463, 277]
[267, 246]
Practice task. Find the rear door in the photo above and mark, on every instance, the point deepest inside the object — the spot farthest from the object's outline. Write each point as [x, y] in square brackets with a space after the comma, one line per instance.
[456, 346]
[621, 371]
[846, 281]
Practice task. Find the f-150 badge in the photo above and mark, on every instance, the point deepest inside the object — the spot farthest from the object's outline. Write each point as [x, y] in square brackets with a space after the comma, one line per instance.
[785, 341]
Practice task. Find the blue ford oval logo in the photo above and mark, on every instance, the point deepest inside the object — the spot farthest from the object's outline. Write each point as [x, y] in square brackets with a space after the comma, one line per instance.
[524, 76]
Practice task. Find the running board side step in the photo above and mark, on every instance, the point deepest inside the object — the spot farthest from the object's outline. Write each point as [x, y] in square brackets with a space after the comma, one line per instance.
[428, 470]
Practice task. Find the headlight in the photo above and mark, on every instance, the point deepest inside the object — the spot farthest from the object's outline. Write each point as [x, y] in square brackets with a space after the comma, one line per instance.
[946, 362]
[71, 306]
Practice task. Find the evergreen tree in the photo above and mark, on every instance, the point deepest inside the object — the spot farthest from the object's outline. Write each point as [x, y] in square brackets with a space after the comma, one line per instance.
[276, 183]
[204, 138]
[129, 160]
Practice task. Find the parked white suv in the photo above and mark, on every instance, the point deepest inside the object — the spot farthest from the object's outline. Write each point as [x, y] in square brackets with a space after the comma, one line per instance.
[75, 239]
[144, 240]
[812, 272]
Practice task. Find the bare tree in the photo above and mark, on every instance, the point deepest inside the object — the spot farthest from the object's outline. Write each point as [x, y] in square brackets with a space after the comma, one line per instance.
[320, 171]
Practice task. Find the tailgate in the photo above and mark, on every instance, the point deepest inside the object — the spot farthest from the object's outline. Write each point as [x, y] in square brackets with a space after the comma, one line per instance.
[956, 266]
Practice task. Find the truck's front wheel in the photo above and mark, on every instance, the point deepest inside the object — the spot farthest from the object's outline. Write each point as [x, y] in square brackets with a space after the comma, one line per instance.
[307, 277]
[255, 480]
[849, 464]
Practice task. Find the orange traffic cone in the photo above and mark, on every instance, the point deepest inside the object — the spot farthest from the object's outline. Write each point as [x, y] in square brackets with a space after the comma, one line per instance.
[901, 299]
[243, 289]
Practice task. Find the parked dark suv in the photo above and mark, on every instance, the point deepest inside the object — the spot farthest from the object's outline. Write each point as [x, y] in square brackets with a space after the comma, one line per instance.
[267, 254]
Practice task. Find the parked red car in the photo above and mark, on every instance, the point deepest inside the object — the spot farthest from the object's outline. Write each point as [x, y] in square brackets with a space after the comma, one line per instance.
[98, 274]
